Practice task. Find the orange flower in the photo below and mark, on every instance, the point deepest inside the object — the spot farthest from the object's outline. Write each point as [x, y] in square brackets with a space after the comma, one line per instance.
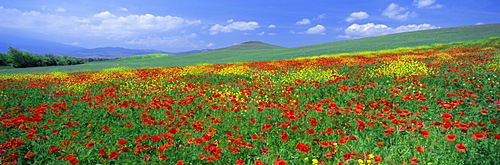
[29, 155]
[420, 149]
[451, 137]
[461, 147]
[414, 160]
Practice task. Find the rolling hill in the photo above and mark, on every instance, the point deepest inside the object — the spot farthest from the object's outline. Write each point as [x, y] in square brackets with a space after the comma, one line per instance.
[258, 51]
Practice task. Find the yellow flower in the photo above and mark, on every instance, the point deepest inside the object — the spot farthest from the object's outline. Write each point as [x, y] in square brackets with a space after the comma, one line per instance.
[360, 160]
[315, 161]
[371, 156]
[306, 158]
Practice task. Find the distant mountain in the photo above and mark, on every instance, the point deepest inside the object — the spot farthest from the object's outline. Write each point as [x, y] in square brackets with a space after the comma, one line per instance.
[252, 45]
[43, 47]
[35, 46]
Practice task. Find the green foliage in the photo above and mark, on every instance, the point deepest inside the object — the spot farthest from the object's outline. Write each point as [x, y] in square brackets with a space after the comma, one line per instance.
[4, 58]
[21, 59]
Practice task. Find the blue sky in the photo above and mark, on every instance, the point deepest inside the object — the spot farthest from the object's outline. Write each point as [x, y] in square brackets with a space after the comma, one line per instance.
[173, 25]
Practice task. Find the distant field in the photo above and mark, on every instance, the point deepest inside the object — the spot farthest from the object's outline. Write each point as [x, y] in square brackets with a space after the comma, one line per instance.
[255, 51]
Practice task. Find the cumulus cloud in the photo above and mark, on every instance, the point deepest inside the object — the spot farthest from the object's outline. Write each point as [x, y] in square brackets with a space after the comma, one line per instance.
[318, 29]
[104, 24]
[304, 21]
[123, 9]
[261, 33]
[238, 25]
[371, 29]
[271, 26]
[357, 16]
[427, 4]
[394, 11]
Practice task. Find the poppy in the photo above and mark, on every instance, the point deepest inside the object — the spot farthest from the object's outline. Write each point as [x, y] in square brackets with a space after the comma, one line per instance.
[280, 162]
[389, 130]
[414, 160]
[451, 137]
[121, 142]
[425, 133]
[420, 149]
[155, 138]
[461, 147]
[478, 136]
[29, 155]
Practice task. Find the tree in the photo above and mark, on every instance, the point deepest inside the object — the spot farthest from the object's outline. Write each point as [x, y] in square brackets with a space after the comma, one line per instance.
[4, 59]
[21, 59]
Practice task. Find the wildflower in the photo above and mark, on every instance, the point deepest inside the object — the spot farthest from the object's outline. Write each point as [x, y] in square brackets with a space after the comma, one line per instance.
[420, 149]
[461, 147]
[451, 137]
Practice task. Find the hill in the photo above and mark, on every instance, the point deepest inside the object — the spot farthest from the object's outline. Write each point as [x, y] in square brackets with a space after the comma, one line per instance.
[251, 45]
[251, 51]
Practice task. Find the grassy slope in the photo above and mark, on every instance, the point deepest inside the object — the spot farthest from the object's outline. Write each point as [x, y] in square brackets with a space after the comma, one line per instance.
[255, 52]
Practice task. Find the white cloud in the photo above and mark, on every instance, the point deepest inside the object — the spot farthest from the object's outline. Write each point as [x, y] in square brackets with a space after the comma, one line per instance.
[371, 29]
[261, 33]
[480, 23]
[238, 25]
[304, 21]
[123, 9]
[318, 29]
[394, 11]
[357, 16]
[272, 34]
[271, 26]
[427, 4]
[230, 20]
[321, 16]
[61, 9]
[104, 24]
[210, 45]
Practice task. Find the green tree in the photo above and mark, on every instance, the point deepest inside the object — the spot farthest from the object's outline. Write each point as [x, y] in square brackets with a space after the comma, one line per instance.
[21, 59]
[4, 59]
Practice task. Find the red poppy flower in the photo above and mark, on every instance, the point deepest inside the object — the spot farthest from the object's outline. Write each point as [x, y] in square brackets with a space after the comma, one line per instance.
[380, 143]
[280, 162]
[240, 162]
[121, 142]
[451, 137]
[420, 149]
[162, 157]
[155, 138]
[172, 131]
[497, 136]
[311, 131]
[478, 136]
[255, 137]
[461, 147]
[113, 155]
[180, 162]
[294, 128]
[29, 155]
[414, 160]
[494, 120]
[257, 162]
[389, 130]
[425, 133]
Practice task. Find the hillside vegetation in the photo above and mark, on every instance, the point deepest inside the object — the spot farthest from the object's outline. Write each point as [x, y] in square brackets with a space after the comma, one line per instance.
[257, 51]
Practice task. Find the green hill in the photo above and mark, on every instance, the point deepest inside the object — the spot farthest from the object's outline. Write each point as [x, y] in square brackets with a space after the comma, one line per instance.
[257, 51]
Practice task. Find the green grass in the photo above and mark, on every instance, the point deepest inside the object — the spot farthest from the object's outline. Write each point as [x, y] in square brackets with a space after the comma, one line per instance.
[256, 51]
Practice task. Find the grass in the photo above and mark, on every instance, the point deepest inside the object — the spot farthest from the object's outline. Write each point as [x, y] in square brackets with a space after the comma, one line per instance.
[255, 51]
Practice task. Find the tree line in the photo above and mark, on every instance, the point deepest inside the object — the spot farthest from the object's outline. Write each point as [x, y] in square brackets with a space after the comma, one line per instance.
[21, 59]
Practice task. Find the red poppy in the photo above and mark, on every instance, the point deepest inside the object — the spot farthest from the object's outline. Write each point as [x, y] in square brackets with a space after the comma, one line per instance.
[451, 137]
[302, 147]
[172, 131]
[478, 136]
[425, 133]
[180, 162]
[461, 147]
[240, 162]
[311, 131]
[89, 144]
[280, 162]
[121, 142]
[155, 138]
[113, 155]
[162, 157]
[257, 162]
[497, 136]
[414, 160]
[294, 128]
[420, 149]
[389, 130]
[29, 155]
[255, 137]
[493, 120]
[380, 143]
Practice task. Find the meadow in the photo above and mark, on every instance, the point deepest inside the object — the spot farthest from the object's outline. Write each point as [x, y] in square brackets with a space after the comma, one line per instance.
[435, 104]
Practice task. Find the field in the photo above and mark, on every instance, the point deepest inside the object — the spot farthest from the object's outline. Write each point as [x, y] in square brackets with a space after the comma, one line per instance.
[434, 104]
[254, 51]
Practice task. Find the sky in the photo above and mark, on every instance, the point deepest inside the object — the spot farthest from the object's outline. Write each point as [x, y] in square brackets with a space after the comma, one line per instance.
[183, 25]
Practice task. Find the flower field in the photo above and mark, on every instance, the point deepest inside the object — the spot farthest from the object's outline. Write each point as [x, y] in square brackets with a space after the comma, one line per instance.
[437, 104]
